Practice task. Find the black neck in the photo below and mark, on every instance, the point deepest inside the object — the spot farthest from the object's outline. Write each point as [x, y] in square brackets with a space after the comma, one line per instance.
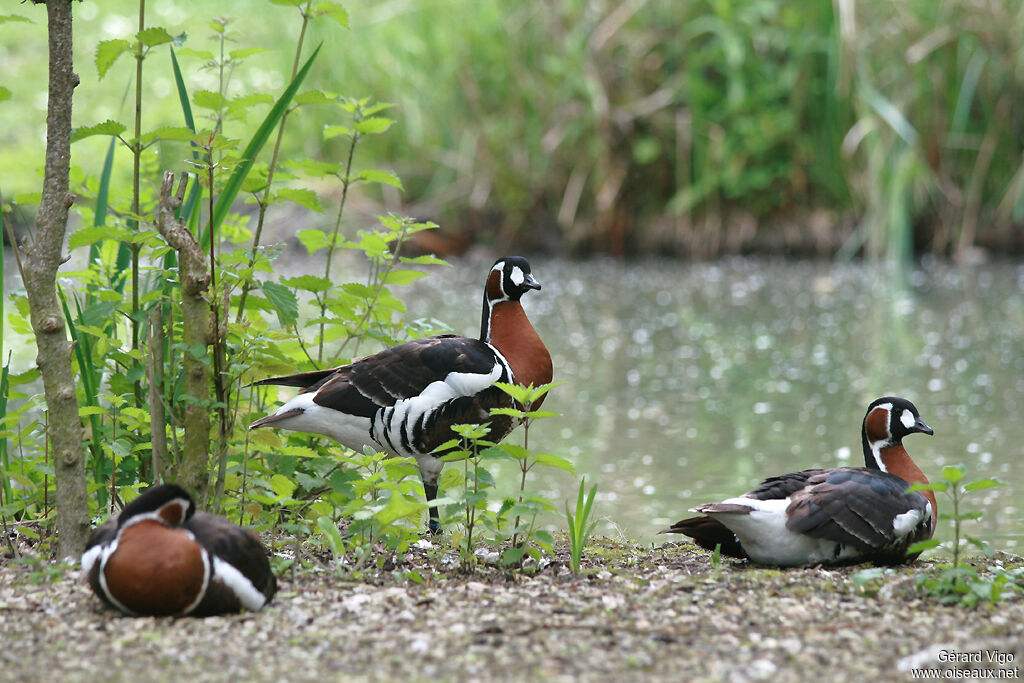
[485, 320]
[869, 458]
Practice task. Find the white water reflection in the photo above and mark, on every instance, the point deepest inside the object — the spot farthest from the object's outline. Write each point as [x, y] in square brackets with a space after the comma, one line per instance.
[688, 383]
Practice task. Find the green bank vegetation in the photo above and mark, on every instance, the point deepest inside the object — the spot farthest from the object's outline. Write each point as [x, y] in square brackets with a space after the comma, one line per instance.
[631, 126]
[177, 309]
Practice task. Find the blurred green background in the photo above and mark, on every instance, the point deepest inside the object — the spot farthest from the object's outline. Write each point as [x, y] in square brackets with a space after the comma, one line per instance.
[626, 126]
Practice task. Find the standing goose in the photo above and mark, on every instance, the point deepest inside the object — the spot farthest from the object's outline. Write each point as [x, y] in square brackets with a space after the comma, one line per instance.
[404, 400]
[160, 557]
[842, 515]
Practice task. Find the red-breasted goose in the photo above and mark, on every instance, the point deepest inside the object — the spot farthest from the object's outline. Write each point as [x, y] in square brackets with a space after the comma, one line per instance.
[842, 515]
[160, 557]
[404, 400]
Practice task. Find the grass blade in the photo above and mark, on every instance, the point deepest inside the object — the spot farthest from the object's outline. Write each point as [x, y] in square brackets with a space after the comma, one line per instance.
[234, 184]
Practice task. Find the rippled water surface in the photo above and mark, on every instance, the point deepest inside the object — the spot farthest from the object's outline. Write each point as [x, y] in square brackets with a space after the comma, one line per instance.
[689, 383]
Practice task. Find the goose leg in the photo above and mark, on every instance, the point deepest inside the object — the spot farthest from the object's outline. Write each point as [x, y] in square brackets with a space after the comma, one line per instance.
[434, 521]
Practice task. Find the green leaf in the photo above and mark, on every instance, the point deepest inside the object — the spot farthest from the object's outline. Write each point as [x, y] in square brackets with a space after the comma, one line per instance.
[234, 183]
[373, 125]
[549, 460]
[398, 507]
[331, 533]
[314, 240]
[335, 131]
[953, 473]
[302, 197]
[308, 283]
[246, 52]
[923, 545]
[173, 134]
[982, 484]
[511, 556]
[108, 127]
[7, 18]
[205, 55]
[5, 94]
[358, 289]
[313, 97]
[282, 485]
[244, 102]
[107, 53]
[207, 99]
[515, 451]
[332, 11]
[931, 486]
[511, 412]
[153, 36]
[85, 236]
[371, 175]
[284, 302]
[402, 277]
[863, 576]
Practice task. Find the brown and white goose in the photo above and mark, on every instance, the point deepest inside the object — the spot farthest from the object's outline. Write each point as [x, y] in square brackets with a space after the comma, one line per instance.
[160, 557]
[842, 515]
[404, 400]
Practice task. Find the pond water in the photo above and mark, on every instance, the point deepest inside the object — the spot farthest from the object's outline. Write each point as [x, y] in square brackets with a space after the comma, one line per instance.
[689, 383]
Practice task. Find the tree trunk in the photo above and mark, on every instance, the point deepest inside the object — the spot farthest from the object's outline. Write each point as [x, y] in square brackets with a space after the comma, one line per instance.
[42, 258]
[192, 470]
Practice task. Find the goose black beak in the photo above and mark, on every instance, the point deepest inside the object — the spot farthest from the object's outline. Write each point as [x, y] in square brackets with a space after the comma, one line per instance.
[531, 282]
[920, 426]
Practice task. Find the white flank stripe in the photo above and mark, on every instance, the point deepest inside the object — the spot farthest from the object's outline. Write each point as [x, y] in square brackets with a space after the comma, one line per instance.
[226, 573]
[763, 534]
[104, 556]
[206, 577]
[412, 411]
[89, 558]
[907, 522]
[349, 430]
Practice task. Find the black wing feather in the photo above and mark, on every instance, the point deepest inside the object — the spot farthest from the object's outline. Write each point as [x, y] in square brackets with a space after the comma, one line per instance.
[709, 533]
[783, 485]
[401, 372]
[853, 506]
[239, 547]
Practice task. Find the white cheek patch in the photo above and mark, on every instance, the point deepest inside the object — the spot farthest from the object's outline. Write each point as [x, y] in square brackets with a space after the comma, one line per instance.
[908, 419]
[517, 276]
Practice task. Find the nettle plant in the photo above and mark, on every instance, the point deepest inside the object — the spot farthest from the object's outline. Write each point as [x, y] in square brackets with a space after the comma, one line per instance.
[510, 525]
[956, 582]
[125, 308]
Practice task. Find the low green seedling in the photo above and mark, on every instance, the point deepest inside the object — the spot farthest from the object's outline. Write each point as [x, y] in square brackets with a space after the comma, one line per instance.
[955, 583]
[580, 526]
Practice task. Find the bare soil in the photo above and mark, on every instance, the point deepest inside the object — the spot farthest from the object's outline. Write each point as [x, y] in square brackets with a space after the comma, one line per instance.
[661, 613]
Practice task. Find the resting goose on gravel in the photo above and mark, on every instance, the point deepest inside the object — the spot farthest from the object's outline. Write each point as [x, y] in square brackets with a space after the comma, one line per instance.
[842, 515]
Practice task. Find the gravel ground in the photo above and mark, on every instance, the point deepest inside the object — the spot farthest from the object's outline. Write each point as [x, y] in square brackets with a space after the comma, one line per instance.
[638, 613]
